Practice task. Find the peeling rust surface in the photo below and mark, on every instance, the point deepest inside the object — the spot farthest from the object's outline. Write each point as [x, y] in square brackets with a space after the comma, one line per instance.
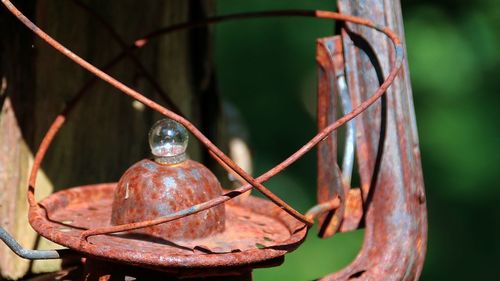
[148, 190]
[353, 211]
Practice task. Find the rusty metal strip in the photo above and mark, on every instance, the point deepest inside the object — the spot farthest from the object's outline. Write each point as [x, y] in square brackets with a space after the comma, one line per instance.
[330, 184]
[388, 154]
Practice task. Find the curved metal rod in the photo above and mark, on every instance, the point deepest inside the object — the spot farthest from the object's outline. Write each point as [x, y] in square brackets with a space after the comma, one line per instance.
[322, 208]
[221, 156]
[27, 253]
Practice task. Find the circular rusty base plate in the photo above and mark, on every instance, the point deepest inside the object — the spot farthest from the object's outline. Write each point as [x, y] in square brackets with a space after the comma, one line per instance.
[256, 231]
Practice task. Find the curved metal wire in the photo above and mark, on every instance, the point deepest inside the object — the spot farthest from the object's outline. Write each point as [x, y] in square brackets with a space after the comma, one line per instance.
[322, 208]
[27, 253]
[219, 155]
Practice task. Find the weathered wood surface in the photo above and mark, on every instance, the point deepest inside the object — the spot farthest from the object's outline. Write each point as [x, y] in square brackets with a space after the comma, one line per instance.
[107, 132]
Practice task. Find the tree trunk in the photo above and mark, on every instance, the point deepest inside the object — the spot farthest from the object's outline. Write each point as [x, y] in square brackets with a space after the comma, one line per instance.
[107, 131]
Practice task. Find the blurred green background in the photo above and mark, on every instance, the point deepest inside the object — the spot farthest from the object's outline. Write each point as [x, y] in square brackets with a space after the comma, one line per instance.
[266, 68]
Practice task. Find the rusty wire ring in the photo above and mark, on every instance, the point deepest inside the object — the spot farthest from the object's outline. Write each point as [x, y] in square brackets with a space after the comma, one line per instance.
[219, 155]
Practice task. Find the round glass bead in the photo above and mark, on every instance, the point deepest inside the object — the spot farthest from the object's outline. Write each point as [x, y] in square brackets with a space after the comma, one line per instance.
[168, 141]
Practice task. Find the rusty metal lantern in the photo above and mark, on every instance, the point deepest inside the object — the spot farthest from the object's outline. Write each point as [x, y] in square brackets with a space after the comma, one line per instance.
[169, 217]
